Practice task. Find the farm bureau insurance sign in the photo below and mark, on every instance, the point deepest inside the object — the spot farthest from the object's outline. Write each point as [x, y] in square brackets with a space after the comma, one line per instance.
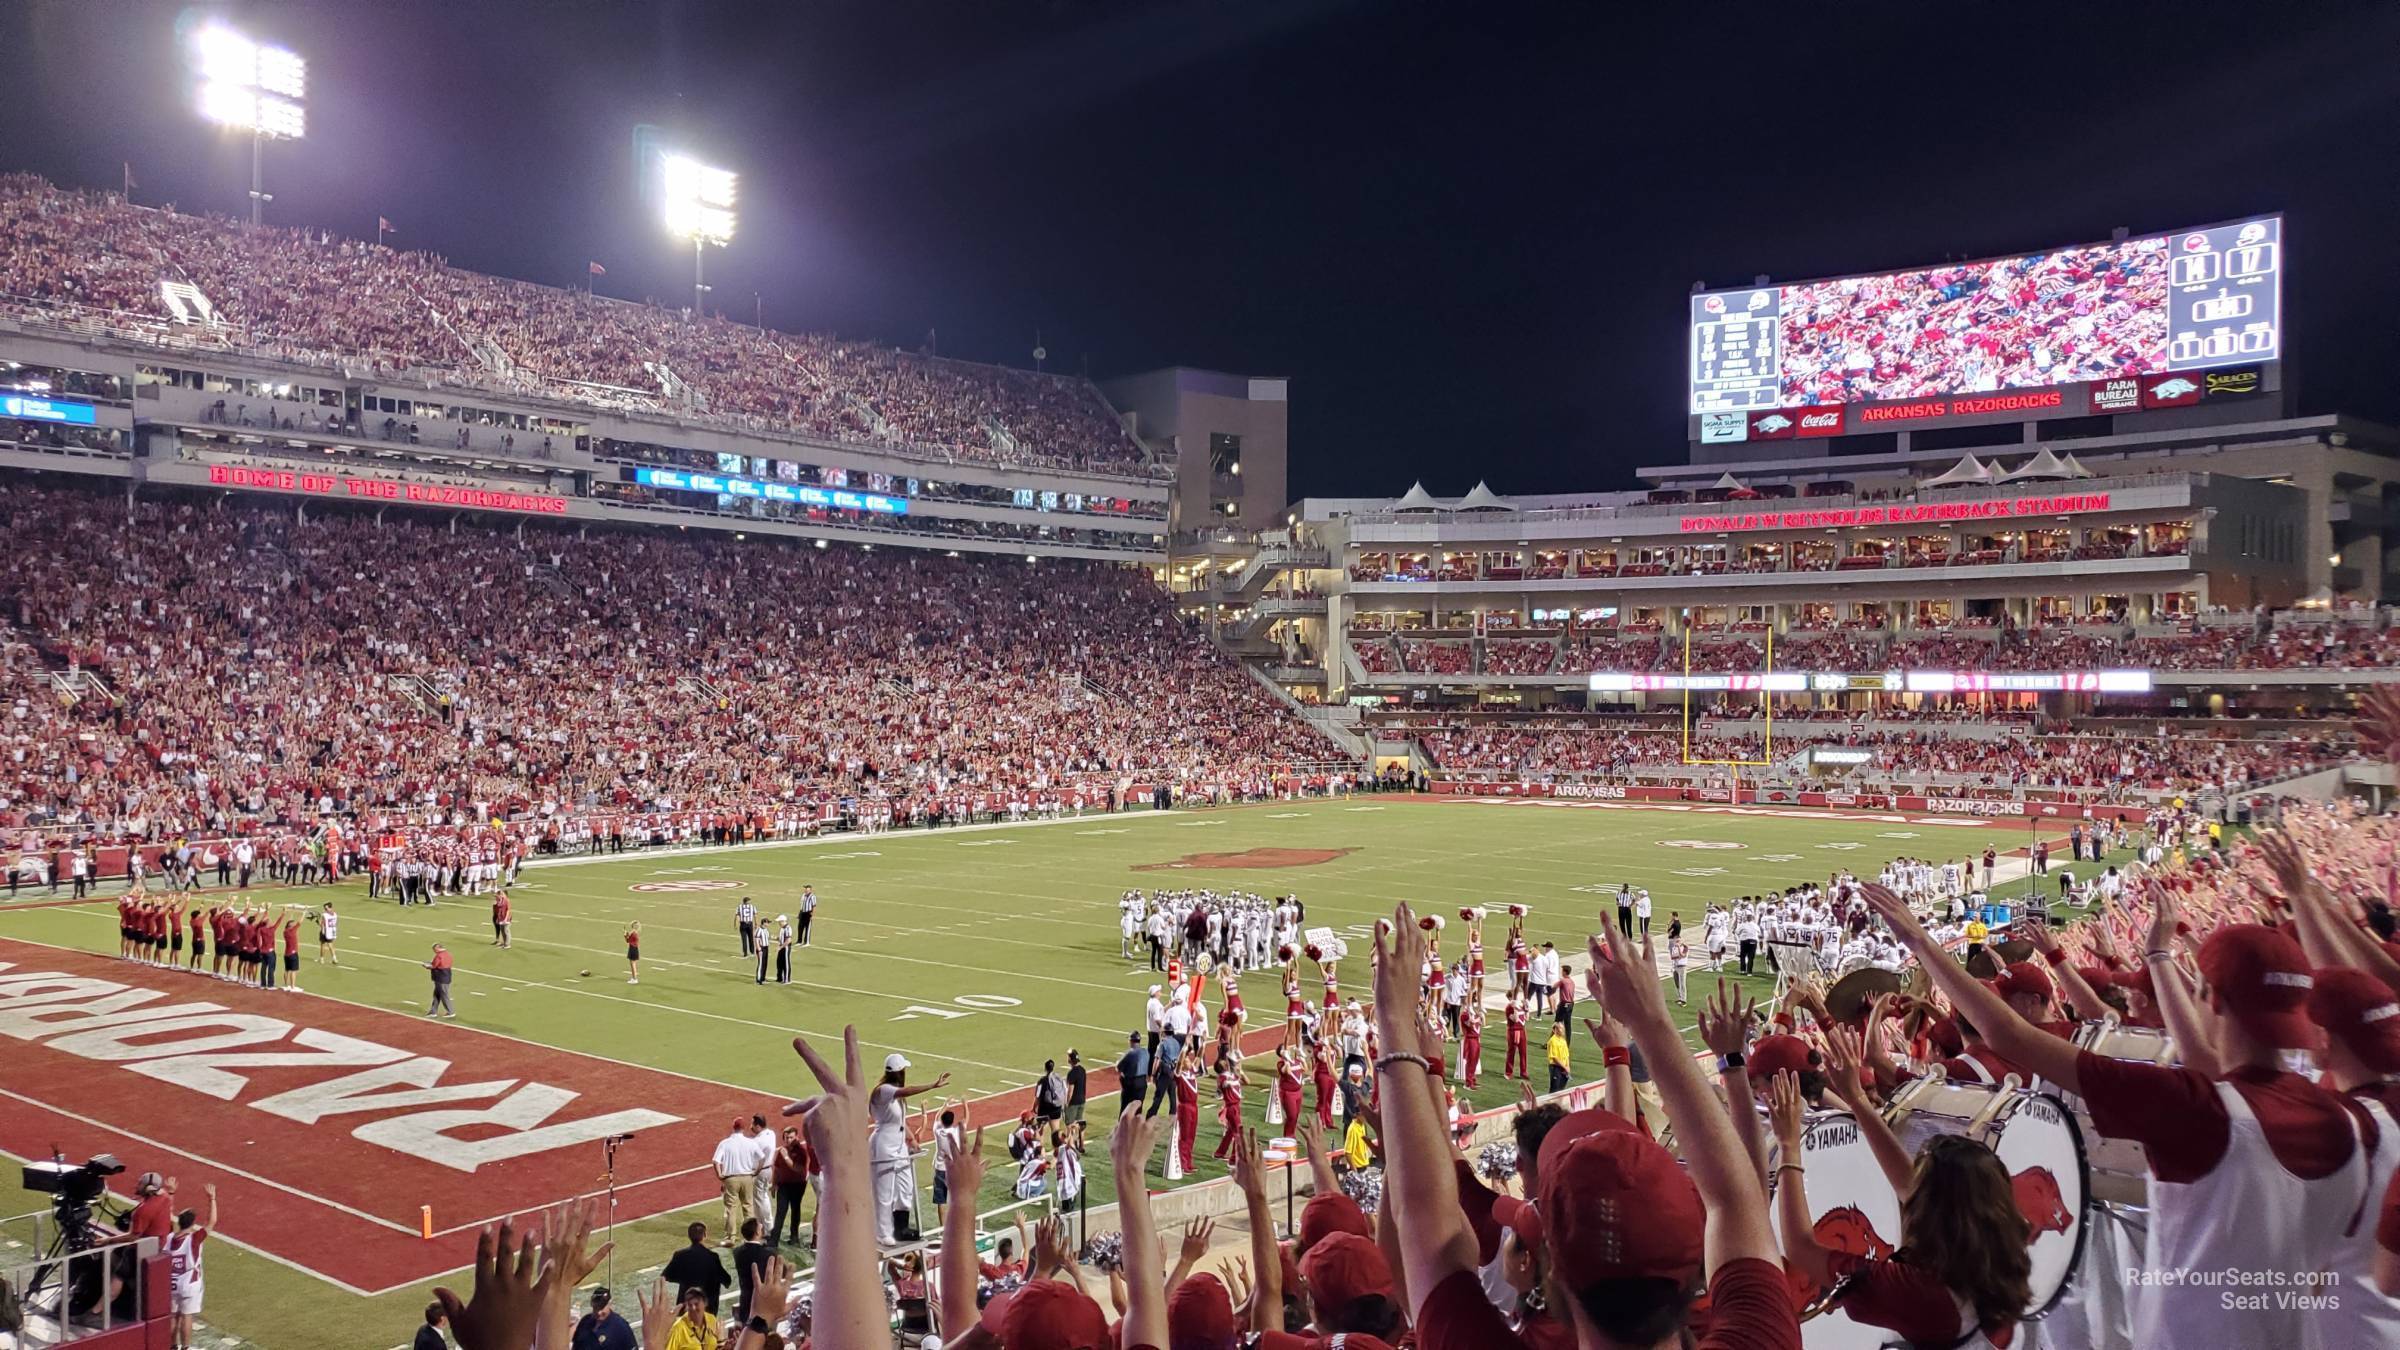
[1918, 513]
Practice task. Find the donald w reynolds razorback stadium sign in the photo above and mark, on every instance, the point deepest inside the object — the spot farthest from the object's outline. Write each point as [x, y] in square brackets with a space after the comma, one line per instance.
[1900, 513]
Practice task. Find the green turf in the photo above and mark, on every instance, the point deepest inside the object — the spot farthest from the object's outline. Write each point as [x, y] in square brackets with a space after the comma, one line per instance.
[911, 923]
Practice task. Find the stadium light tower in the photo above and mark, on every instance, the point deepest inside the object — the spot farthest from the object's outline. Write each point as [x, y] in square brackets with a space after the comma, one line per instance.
[251, 87]
[698, 202]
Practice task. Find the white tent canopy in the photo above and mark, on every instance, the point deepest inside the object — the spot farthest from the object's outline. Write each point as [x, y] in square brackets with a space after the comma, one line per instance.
[1418, 499]
[1968, 470]
[1482, 498]
[2075, 468]
[2044, 465]
[1729, 483]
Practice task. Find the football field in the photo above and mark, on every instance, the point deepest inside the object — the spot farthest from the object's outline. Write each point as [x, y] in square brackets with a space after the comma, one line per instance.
[341, 1125]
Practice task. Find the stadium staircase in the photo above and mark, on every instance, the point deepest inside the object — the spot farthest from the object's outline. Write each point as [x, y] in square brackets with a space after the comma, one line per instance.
[1339, 724]
[416, 689]
[549, 578]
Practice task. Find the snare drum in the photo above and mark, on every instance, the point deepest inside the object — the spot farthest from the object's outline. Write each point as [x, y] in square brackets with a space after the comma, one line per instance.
[1851, 1208]
[2038, 1140]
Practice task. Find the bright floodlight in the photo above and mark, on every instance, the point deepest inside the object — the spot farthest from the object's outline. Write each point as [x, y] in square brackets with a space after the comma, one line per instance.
[698, 199]
[243, 84]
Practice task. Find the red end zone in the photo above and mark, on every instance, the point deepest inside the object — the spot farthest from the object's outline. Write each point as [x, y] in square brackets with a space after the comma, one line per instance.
[326, 1125]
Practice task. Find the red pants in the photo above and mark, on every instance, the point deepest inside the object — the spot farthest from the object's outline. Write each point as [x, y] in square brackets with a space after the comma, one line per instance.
[1291, 1106]
[1470, 1057]
[1325, 1102]
[1516, 1054]
[1231, 1119]
[1187, 1130]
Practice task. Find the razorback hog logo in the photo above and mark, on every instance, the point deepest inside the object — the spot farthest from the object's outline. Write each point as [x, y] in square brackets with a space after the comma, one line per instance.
[1250, 858]
[1844, 1229]
[2044, 1206]
[1773, 422]
[2175, 388]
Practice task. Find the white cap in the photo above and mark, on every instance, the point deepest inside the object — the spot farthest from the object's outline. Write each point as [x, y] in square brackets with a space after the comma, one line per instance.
[894, 1062]
[1154, 989]
[783, 918]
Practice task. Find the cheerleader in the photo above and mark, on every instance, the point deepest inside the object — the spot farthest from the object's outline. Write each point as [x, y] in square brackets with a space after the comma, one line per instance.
[1187, 1108]
[1295, 1008]
[633, 952]
[783, 949]
[1679, 955]
[1229, 1106]
[1475, 957]
[1327, 1086]
[1291, 1075]
[1470, 1045]
[1520, 959]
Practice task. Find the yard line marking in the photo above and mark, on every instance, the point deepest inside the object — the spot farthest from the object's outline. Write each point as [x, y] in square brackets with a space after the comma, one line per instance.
[899, 836]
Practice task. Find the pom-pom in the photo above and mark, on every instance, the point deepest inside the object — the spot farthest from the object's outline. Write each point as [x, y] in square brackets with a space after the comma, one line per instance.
[1284, 952]
[1516, 911]
[1497, 1162]
[1313, 953]
[1105, 1252]
[1470, 914]
[1365, 1185]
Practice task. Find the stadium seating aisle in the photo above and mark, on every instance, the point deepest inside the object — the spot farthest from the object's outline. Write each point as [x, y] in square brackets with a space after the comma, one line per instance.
[272, 670]
[305, 295]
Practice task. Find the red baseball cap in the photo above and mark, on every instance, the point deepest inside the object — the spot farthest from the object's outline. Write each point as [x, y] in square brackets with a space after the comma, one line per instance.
[2140, 981]
[2024, 978]
[1343, 1269]
[1521, 1216]
[2262, 978]
[1777, 1054]
[2359, 1011]
[1200, 1315]
[1325, 1215]
[1615, 1205]
[1049, 1315]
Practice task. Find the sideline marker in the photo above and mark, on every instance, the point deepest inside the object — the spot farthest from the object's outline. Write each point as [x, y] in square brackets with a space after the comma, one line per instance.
[425, 1222]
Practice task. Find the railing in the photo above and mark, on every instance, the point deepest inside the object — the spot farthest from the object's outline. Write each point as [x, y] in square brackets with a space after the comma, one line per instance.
[1649, 510]
[105, 1292]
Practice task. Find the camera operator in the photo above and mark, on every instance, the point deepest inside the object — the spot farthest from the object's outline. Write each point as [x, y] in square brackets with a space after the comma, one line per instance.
[153, 1214]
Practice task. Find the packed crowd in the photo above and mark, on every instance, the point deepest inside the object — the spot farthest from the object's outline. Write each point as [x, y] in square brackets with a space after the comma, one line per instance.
[2114, 763]
[2049, 318]
[304, 295]
[271, 670]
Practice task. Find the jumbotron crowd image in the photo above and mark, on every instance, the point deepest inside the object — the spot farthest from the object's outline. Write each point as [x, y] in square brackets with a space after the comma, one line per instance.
[1147, 677]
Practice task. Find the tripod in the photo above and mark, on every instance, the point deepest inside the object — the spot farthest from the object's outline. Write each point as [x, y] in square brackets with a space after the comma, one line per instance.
[608, 1178]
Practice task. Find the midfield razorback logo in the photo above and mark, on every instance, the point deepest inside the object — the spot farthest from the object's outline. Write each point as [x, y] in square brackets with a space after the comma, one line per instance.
[326, 1124]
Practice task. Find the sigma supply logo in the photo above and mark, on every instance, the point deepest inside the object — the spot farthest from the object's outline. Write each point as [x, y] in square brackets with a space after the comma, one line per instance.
[2170, 391]
[1841, 799]
[1820, 422]
[2119, 395]
[1724, 428]
[1771, 426]
[2238, 383]
[1608, 792]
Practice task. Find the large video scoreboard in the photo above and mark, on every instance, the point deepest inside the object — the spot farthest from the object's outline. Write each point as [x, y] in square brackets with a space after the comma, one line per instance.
[2159, 321]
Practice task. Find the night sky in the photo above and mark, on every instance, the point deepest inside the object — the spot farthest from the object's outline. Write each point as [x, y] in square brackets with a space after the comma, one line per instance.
[1464, 231]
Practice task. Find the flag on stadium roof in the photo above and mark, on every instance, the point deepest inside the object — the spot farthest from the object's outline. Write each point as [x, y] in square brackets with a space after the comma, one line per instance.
[596, 269]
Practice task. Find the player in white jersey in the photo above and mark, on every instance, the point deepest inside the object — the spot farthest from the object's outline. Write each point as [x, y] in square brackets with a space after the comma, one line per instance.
[1715, 927]
[183, 1252]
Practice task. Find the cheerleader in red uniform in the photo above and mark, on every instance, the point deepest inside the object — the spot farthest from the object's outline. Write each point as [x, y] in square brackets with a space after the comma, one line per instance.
[1229, 1105]
[1291, 1076]
[1515, 1064]
[1470, 1048]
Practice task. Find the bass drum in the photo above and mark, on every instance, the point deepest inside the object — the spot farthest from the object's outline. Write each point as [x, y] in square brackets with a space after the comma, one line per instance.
[2038, 1140]
[2041, 1145]
[1851, 1208]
